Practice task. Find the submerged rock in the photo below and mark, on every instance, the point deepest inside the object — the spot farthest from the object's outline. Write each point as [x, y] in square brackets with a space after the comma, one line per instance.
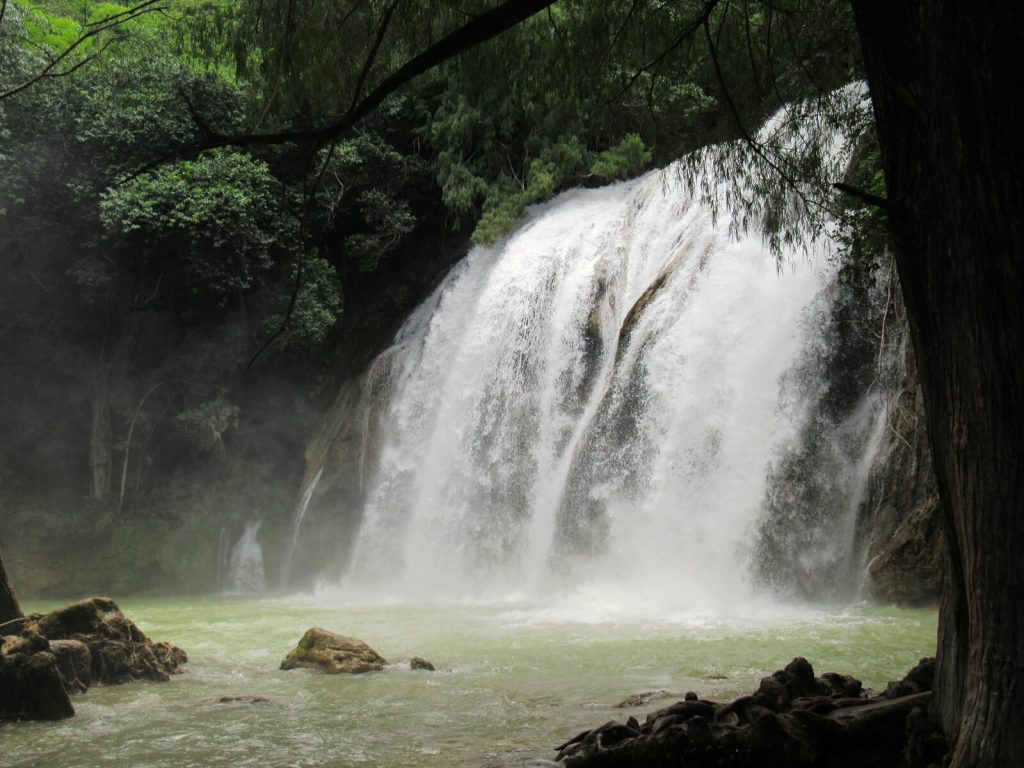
[241, 700]
[333, 654]
[646, 697]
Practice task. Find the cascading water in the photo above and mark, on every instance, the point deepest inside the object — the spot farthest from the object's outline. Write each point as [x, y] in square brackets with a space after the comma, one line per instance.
[300, 516]
[597, 401]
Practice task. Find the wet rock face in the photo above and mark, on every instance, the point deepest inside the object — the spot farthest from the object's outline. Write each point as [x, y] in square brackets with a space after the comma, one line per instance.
[906, 568]
[334, 654]
[793, 720]
[901, 522]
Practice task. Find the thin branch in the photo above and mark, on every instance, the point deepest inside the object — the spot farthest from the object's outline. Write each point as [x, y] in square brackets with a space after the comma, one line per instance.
[561, 44]
[128, 445]
[769, 58]
[287, 315]
[750, 46]
[96, 28]
[120, 17]
[199, 120]
[689, 31]
[372, 55]
[309, 193]
[755, 145]
[885, 317]
[616, 37]
[476, 32]
[788, 29]
[79, 64]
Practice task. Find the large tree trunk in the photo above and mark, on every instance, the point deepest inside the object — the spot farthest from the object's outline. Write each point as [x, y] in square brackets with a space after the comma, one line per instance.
[943, 79]
[9, 608]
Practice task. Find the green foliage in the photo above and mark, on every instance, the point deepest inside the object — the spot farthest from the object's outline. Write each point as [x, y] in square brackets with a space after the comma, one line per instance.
[219, 216]
[309, 58]
[360, 199]
[57, 28]
[627, 158]
[318, 305]
[502, 208]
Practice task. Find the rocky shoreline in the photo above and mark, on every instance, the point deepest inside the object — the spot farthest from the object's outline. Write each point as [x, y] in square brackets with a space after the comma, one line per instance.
[46, 657]
[793, 720]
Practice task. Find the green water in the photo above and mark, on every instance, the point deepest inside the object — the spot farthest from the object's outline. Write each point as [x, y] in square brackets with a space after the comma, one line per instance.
[513, 680]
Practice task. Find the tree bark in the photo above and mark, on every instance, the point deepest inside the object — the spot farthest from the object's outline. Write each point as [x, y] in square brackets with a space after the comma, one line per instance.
[9, 608]
[948, 111]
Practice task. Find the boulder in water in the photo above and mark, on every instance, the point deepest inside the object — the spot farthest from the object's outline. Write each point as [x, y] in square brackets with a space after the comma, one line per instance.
[418, 662]
[43, 658]
[333, 654]
[119, 651]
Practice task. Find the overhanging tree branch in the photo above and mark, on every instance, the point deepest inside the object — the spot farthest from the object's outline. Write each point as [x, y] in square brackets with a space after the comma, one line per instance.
[371, 57]
[749, 139]
[93, 29]
[687, 32]
[479, 30]
[864, 196]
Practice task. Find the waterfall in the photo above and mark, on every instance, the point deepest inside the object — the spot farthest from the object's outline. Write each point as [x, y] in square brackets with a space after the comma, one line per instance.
[245, 565]
[597, 400]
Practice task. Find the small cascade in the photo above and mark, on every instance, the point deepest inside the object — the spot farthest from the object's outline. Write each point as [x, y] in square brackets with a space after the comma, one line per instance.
[245, 565]
[223, 554]
[300, 515]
